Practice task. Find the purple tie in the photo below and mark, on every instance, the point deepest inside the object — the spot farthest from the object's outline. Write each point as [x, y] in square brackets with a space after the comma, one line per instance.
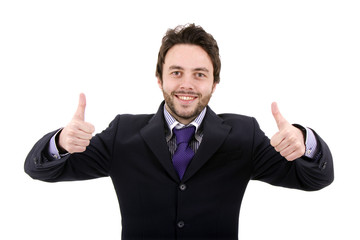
[183, 153]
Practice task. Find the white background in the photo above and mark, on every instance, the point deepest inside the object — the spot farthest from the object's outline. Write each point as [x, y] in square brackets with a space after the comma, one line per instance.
[303, 54]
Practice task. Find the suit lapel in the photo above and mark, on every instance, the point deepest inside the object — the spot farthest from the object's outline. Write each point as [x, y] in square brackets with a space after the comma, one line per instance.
[154, 135]
[215, 133]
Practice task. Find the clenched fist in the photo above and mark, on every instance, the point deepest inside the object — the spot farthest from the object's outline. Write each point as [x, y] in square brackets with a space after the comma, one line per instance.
[289, 140]
[75, 137]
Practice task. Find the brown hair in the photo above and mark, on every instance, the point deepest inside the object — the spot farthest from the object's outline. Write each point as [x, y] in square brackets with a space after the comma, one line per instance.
[190, 34]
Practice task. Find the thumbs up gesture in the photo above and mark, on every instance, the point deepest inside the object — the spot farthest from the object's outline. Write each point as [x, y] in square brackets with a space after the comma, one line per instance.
[75, 137]
[289, 140]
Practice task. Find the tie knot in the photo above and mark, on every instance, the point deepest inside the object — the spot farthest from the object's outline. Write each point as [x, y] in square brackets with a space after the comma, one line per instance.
[184, 135]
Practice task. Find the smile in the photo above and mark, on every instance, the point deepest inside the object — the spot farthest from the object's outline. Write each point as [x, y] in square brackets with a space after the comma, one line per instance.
[186, 98]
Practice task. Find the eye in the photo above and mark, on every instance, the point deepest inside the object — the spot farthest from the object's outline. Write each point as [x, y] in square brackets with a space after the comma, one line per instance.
[200, 75]
[176, 73]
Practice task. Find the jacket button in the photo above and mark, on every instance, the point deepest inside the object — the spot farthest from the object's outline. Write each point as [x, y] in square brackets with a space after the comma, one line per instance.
[323, 165]
[180, 224]
[182, 187]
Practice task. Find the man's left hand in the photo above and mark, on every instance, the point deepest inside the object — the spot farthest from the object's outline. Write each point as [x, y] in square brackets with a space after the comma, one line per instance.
[289, 140]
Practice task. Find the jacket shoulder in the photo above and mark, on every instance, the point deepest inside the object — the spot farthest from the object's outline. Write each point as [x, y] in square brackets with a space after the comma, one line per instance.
[128, 123]
[132, 119]
[231, 117]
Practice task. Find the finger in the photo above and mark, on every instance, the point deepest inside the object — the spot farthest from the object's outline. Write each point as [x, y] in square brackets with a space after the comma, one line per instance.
[76, 144]
[291, 152]
[276, 139]
[87, 128]
[293, 156]
[76, 149]
[285, 152]
[73, 144]
[82, 135]
[280, 120]
[78, 126]
[282, 146]
[80, 142]
[80, 111]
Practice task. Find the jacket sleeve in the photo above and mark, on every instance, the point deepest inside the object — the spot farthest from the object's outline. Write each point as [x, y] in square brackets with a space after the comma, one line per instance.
[94, 162]
[304, 173]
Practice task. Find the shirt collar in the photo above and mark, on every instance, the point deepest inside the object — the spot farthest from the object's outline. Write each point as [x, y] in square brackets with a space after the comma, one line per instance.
[173, 123]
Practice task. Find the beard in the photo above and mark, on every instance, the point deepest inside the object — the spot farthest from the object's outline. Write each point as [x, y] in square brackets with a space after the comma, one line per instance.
[187, 113]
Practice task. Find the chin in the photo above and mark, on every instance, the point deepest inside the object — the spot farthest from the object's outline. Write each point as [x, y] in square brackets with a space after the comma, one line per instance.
[188, 113]
[185, 114]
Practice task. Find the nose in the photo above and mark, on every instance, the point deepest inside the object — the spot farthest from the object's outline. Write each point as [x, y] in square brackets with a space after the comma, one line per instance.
[187, 82]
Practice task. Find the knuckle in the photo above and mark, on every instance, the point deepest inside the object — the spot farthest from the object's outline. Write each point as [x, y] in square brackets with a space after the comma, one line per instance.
[71, 132]
[71, 141]
[91, 128]
[287, 131]
[73, 124]
[85, 143]
[291, 159]
[82, 149]
[78, 149]
[274, 141]
[292, 138]
[70, 150]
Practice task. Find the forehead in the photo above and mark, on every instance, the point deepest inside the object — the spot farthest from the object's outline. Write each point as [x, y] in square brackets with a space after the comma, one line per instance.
[188, 56]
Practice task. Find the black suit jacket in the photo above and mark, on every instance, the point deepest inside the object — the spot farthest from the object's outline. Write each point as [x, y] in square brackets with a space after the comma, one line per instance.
[154, 203]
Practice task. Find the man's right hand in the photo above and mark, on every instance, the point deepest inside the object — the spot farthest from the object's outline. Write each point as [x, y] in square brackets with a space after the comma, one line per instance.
[75, 137]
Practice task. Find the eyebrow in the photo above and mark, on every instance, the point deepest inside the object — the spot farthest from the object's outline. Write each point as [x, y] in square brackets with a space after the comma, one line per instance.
[202, 69]
[175, 67]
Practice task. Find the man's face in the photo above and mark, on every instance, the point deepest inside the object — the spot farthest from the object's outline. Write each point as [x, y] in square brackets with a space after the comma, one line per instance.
[188, 81]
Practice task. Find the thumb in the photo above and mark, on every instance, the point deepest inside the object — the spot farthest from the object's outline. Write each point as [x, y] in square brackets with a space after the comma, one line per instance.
[80, 111]
[280, 120]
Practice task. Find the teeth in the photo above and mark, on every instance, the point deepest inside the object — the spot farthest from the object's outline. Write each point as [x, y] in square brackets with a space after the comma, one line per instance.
[186, 98]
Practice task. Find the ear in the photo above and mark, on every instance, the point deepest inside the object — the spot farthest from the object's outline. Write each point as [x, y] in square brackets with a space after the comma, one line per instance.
[213, 88]
[159, 83]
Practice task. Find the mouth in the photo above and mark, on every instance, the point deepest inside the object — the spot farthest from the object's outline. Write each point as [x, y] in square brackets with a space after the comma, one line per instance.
[185, 98]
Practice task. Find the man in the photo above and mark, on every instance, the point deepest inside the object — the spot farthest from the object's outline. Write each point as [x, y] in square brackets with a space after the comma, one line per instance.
[181, 173]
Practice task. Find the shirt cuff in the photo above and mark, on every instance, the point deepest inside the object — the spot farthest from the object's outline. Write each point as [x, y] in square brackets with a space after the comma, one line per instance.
[310, 144]
[53, 150]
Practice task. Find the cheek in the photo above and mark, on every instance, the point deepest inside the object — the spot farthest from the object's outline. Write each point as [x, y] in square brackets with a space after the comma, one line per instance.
[168, 86]
[205, 91]
[165, 88]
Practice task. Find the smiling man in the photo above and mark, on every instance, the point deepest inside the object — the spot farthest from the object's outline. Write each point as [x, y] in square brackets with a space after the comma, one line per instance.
[187, 81]
[181, 173]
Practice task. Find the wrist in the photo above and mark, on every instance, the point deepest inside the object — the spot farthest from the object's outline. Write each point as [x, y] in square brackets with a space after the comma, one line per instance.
[58, 145]
[302, 129]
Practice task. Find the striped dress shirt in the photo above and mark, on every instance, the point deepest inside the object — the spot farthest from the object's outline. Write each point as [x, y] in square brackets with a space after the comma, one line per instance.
[173, 123]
